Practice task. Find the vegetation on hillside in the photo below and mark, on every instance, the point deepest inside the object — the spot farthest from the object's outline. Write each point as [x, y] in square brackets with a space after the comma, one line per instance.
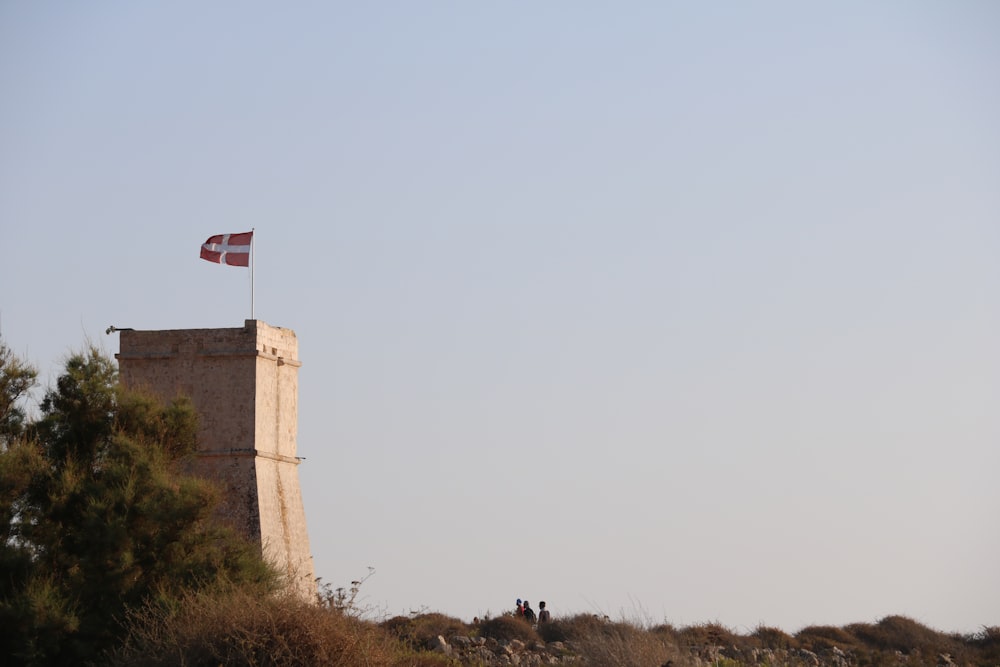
[237, 629]
[110, 556]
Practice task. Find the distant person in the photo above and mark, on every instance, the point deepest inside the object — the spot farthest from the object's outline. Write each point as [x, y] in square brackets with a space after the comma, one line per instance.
[543, 614]
[520, 608]
[529, 613]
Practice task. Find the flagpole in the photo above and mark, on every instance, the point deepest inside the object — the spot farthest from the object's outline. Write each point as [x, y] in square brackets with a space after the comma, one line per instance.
[253, 262]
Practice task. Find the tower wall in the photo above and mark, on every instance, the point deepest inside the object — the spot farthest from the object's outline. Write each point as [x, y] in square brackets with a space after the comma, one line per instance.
[244, 384]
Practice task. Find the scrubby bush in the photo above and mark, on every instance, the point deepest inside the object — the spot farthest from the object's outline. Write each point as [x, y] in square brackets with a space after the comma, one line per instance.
[987, 643]
[508, 627]
[920, 644]
[818, 638]
[899, 633]
[603, 642]
[553, 631]
[773, 638]
[239, 627]
[666, 630]
[622, 644]
[398, 626]
[710, 634]
[571, 628]
[419, 631]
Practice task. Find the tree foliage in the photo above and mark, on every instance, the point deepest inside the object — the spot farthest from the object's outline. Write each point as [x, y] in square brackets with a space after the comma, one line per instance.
[16, 380]
[98, 518]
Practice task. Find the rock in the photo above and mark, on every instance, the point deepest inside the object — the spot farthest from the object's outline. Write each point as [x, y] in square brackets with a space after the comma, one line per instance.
[439, 645]
[810, 657]
[838, 658]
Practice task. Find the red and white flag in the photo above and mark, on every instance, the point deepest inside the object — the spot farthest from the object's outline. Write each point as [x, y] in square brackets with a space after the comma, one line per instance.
[231, 249]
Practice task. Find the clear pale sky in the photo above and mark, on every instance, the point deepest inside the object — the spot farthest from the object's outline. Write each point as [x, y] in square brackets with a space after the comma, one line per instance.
[684, 312]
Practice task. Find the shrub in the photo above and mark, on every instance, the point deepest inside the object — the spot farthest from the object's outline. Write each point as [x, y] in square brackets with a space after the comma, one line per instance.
[987, 642]
[774, 638]
[553, 631]
[419, 631]
[239, 627]
[572, 628]
[398, 626]
[508, 627]
[668, 631]
[616, 643]
[710, 634]
[898, 633]
[817, 638]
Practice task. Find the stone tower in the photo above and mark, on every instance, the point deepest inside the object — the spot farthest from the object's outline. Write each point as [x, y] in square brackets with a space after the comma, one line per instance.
[244, 384]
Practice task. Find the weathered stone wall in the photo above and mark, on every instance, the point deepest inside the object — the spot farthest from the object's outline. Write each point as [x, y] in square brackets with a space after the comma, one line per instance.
[244, 384]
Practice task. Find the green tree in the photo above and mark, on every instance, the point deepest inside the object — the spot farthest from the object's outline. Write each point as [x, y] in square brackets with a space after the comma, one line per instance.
[18, 463]
[16, 380]
[100, 519]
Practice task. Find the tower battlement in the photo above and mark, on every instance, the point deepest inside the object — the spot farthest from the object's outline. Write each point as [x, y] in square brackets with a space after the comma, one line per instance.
[244, 385]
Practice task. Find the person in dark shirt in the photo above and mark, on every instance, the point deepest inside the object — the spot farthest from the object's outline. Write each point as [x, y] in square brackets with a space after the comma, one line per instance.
[529, 613]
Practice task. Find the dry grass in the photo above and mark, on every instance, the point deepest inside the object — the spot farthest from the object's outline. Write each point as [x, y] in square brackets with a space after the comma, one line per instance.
[243, 627]
[920, 644]
[508, 627]
[987, 644]
[896, 638]
[240, 628]
[710, 634]
[615, 644]
[419, 631]
[818, 638]
[774, 638]
[898, 633]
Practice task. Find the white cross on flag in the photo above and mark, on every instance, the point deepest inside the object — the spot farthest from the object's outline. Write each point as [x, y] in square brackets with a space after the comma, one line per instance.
[231, 249]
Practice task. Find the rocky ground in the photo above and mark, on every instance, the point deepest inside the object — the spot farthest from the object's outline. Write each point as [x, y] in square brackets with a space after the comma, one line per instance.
[488, 652]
